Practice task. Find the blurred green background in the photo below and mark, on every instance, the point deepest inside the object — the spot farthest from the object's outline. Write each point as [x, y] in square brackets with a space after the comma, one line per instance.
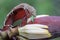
[49, 7]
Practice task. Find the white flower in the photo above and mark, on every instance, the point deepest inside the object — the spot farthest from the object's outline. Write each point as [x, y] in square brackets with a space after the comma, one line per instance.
[34, 31]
